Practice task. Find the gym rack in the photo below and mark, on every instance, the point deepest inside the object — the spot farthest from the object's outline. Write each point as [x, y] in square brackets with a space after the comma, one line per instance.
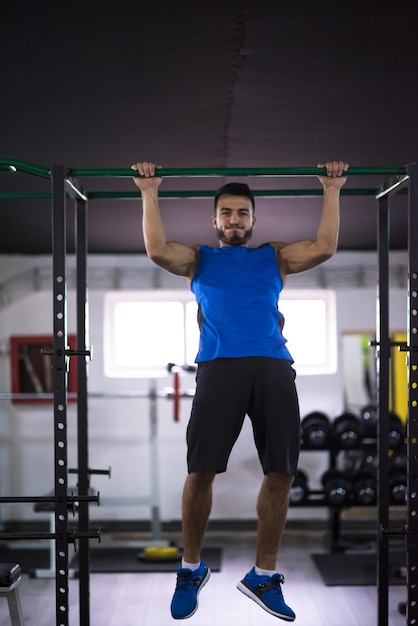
[65, 184]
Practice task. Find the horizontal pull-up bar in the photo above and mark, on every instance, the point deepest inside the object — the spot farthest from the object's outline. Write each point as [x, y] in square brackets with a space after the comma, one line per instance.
[134, 195]
[205, 172]
[209, 172]
[14, 165]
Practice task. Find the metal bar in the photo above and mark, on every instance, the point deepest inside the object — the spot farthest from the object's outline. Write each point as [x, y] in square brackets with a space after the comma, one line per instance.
[25, 536]
[71, 498]
[15, 165]
[154, 469]
[44, 172]
[383, 351]
[11, 195]
[412, 427]
[95, 395]
[60, 391]
[394, 189]
[207, 172]
[82, 408]
[76, 190]
[261, 193]
[30, 396]
[134, 195]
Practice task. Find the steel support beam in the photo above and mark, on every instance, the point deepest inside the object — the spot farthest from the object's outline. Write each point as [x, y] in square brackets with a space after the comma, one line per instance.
[383, 352]
[82, 408]
[59, 360]
[412, 430]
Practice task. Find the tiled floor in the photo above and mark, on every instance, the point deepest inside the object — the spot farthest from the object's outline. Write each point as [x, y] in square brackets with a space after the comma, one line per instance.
[144, 599]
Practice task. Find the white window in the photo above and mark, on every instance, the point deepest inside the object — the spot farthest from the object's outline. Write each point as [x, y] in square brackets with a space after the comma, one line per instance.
[145, 331]
[311, 330]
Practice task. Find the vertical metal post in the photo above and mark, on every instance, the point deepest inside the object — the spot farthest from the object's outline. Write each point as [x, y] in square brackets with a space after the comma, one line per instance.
[60, 391]
[154, 470]
[412, 434]
[383, 351]
[82, 408]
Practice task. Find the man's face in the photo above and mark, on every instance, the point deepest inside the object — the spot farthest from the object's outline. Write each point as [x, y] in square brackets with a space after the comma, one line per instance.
[234, 220]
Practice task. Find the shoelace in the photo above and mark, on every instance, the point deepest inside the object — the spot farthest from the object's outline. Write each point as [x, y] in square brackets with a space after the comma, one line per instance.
[185, 580]
[273, 584]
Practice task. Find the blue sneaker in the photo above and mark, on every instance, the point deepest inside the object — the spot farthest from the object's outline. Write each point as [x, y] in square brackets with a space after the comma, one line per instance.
[267, 592]
[189, 583]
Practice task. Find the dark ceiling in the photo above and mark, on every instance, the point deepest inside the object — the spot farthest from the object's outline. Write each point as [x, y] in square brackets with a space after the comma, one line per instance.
[238, 83]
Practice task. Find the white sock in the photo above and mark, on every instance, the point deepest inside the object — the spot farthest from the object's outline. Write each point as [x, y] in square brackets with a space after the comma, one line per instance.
[264, 572]
[192, 566]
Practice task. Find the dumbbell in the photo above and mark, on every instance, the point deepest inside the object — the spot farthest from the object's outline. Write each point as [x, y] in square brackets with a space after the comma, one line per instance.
[396, 430]
[369, 416]
[347, 431]
[336, 486]
[315, 430]
[398, 488]
[365, 486]
[399, 457]
[299, 490]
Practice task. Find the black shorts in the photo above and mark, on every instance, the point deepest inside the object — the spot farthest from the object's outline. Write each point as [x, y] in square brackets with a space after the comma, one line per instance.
[229, 389]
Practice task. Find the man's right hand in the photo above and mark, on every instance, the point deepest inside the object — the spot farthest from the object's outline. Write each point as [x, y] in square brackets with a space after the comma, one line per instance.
[147, 180]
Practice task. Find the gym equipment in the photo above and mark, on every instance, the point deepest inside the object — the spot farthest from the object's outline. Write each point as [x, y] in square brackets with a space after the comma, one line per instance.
[47, 504]
[370, 419]
[299, 490]
[364, 486]
[396, 431]
[49, 507]
[347, 431]
[369, 416]
[360, 459]
[10, 577]
[160, 553]
[398, 485]
[336, 486]
[315, 430]
[64, 182]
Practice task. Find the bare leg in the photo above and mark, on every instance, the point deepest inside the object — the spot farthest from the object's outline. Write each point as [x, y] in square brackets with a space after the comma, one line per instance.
[197, 504]
[272, 506]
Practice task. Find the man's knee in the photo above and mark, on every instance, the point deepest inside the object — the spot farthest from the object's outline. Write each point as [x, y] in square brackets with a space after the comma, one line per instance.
[279, 480]
[200, 479]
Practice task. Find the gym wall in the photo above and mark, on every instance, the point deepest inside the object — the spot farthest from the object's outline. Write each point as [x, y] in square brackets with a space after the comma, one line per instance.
[119, 430]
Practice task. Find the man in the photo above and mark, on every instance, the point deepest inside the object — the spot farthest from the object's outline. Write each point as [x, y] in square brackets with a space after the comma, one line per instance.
[244, 368]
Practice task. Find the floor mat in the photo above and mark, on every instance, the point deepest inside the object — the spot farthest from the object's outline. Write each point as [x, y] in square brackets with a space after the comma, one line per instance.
[107, 560]
[359, 568]
[28, 559]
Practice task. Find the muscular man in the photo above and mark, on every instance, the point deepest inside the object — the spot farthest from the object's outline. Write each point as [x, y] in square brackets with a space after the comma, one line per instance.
[244, 368]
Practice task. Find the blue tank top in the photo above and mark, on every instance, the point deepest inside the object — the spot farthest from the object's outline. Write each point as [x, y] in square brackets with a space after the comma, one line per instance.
[237, 290]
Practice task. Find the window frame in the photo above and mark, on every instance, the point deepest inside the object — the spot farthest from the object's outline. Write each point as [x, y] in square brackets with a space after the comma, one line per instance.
[114, 370]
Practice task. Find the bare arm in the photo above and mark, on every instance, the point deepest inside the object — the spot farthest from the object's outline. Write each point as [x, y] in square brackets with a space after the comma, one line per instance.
[305, 254]
[175, 257]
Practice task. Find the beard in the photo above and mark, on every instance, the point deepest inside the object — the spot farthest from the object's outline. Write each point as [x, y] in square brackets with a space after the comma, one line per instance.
[238, 238]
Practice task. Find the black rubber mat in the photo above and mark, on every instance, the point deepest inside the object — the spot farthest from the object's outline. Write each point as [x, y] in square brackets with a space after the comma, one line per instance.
[28, 560]
[107, 560]
[359, 568]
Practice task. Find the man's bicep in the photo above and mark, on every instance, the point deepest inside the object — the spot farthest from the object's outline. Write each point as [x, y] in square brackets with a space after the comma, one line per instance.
[300, 256]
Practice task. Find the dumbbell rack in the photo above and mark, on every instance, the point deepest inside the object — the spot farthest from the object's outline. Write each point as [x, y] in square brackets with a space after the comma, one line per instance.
[318, 498]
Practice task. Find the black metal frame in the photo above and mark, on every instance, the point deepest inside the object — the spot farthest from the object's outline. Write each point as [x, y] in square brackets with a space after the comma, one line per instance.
[384, 347]
[412, 433]
[62, 183]
[82, 409]
[60, 362]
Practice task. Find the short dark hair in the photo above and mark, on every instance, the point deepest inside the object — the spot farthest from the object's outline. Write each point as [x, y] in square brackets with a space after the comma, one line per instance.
[235, 189]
